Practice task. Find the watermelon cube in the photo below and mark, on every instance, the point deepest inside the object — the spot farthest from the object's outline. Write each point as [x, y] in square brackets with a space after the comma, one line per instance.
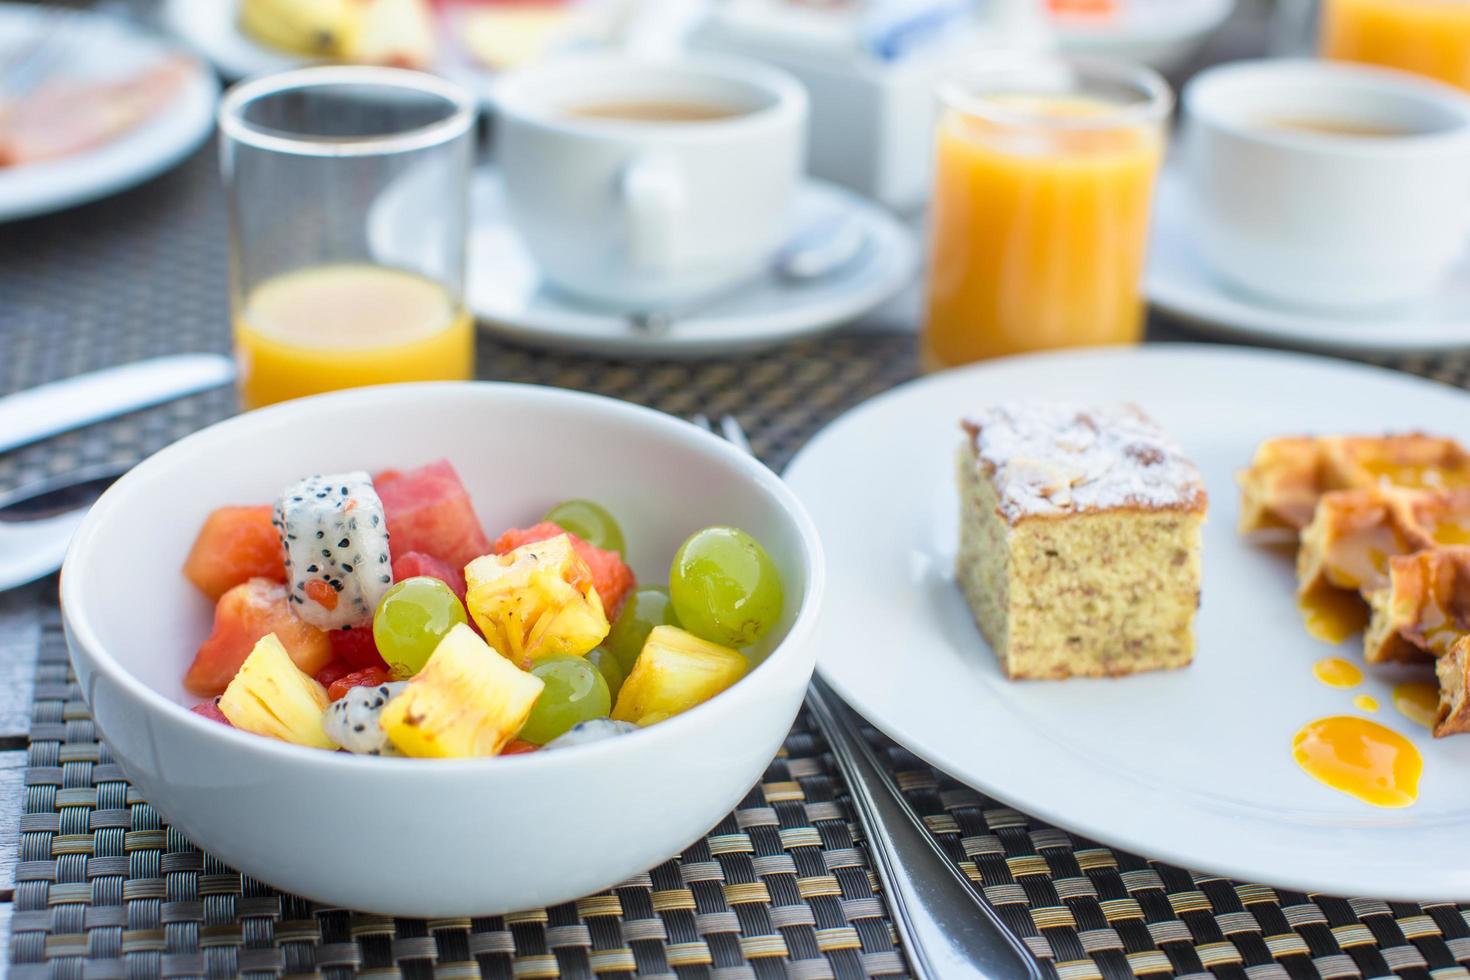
[417, 563]
[356, 648]
[235, 544]
[429, 511]
[610, 574]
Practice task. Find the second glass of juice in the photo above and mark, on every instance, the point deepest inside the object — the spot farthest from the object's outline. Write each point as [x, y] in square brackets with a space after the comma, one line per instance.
[1044, 174]
[316, 162]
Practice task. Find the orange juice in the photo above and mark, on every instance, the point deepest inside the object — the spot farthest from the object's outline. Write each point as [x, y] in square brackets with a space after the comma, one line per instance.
[1039, 228]
[1431, 37]
[339, 326]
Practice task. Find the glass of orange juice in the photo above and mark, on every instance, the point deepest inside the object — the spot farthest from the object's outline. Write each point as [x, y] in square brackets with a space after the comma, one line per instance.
[1430, 37]
[309, 158]
[1044, 173]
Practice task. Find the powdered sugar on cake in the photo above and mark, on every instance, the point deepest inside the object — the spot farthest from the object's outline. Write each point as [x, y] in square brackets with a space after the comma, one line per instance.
[1048, 459]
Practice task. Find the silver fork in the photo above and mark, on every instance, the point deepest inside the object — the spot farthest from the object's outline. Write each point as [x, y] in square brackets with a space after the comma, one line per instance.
[946, 929]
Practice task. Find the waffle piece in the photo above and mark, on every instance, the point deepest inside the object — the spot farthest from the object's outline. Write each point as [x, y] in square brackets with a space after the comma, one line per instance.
[1079, 540]
[1453, 672]
[1287, 476]
[1424, 608]
[1346, 549]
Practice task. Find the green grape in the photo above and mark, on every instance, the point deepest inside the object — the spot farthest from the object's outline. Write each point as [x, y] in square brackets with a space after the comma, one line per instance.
[412, 617]
[612, 670]
[588, 521]
[646, 607]
[724, 587]
[575, 691]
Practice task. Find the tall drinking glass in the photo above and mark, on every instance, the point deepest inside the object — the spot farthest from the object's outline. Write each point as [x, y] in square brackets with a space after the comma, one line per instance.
[321, 165]
[1430, 37]
[1044, 173]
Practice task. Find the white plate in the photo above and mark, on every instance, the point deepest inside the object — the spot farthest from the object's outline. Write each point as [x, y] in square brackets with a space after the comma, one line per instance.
[1162, 33]
[1191, 766]
[99, 47]
[210, 27]
[504, 289]
[1179, 283]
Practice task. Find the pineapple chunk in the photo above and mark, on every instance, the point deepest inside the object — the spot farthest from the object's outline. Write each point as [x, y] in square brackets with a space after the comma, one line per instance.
[536, 601]
[467, 701]
[271, 696]
[675, 671]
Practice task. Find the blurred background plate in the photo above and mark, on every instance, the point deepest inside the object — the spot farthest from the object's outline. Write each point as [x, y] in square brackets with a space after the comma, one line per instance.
[1179, 283]
[504, 291]
[92, 47]
[1161, 33]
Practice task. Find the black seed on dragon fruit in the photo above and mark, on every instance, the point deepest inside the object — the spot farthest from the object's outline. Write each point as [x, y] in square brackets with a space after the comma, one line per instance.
[316, 510]
[352, 720]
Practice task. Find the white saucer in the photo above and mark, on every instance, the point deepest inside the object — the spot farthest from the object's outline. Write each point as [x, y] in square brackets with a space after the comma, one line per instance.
[504, 290]
[1179, 283]
[95, 46]
[1190, 766]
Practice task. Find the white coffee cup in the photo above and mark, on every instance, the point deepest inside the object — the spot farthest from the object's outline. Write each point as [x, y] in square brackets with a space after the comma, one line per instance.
[1305, 217]
[637, 214]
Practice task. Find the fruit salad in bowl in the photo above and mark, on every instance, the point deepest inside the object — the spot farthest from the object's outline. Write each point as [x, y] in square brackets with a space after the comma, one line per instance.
[353, 692]
[372, 615]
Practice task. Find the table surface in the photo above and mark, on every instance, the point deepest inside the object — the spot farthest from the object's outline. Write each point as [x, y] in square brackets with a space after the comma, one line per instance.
[145, 272]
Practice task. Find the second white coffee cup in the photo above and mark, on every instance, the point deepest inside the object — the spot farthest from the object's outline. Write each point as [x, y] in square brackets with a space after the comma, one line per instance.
[641, 185]
[1326, 185]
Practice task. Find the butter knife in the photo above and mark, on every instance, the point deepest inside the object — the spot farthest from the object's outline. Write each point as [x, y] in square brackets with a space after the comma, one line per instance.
[36, 413]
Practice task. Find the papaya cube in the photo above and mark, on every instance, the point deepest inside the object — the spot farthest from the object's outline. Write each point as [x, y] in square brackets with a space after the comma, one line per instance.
[675, 671]
[467, 701]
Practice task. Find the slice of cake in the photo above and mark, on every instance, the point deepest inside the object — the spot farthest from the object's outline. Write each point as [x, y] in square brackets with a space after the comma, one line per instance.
[1079, 540]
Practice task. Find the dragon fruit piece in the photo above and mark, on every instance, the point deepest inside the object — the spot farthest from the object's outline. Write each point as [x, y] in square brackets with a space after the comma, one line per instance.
[352, 720]
[336, 542]
[592, 730]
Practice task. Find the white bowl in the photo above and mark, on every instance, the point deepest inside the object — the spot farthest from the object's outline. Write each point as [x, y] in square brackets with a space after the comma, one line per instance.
[414, 837]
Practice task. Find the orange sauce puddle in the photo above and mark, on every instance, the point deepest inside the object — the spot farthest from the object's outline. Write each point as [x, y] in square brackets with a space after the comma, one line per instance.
[1364, 702]
[1417, 701]
[1361, 758]
[1337, 672]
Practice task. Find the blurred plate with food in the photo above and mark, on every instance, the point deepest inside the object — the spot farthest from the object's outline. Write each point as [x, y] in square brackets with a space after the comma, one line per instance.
[90, 106]
[467, 40]
[1161, 33]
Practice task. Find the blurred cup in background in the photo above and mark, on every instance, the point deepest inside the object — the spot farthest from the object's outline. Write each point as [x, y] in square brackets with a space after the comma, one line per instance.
[1324, 185]
[1044, 177]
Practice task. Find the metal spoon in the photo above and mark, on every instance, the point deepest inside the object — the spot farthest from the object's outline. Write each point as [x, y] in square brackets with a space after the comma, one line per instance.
[38, 520]
[813, 252]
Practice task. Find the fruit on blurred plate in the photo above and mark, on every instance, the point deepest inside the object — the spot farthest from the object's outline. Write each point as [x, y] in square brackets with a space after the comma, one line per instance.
[467, 701]
[235, 544]
[243, 616]
[536, 601]
[610, 573]
[675, 671]
[429, 511]
[271, 696]
[505, 35]
[380, 32]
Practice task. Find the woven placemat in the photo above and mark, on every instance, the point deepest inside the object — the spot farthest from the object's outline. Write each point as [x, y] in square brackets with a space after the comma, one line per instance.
[780, 888]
